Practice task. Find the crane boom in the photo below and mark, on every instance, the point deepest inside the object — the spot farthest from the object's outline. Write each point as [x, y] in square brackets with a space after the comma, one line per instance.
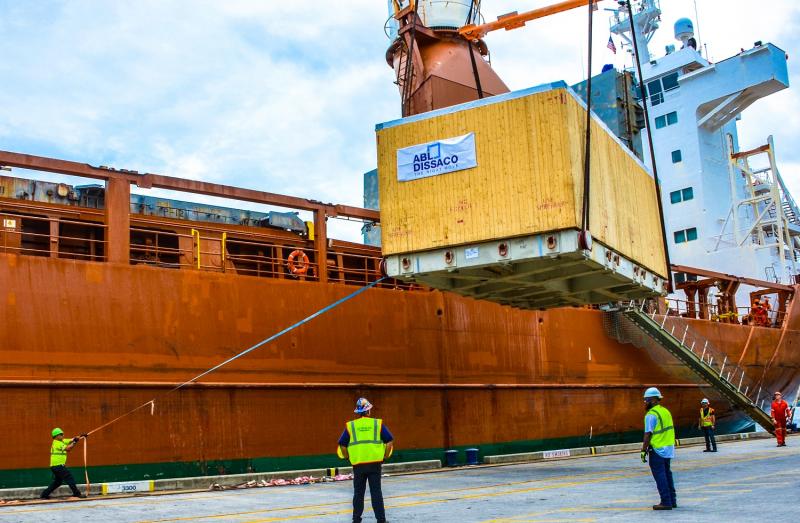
[516, 20]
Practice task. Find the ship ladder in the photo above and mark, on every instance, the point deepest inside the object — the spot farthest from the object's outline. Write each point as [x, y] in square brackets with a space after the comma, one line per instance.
[632, 324]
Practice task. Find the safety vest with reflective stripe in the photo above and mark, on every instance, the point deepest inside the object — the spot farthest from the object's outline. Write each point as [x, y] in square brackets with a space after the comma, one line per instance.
[706, 418]
[664, 431]
[58, 453]
[365, 441]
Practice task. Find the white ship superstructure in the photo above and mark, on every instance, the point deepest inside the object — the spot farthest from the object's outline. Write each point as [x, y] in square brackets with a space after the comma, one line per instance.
[725, 210]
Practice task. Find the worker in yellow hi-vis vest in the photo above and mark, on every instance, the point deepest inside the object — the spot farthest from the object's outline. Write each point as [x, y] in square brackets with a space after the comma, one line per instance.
[366, 442]
[707, 423]
[659, 446]
[58, 463]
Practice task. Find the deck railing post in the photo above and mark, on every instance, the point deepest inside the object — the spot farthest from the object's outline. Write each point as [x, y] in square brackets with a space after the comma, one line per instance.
[321, 243]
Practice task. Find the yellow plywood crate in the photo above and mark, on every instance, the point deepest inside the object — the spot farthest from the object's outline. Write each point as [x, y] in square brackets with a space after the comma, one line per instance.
[528, 180]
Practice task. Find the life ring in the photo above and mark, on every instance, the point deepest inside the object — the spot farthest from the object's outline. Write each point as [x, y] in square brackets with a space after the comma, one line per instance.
[301, 265]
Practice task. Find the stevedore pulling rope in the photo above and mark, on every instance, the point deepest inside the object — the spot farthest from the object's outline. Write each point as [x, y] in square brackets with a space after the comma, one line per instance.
[151, 402]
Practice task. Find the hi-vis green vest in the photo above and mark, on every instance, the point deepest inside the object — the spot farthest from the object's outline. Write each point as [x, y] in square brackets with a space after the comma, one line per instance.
[365, 441]
[58, 453]
[664, 431]
[707, 419]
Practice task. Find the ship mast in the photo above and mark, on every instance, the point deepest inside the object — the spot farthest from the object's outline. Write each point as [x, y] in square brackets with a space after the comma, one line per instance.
[646, 17]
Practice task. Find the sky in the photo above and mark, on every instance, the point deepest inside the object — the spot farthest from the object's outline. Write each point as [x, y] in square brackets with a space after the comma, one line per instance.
[284, 96]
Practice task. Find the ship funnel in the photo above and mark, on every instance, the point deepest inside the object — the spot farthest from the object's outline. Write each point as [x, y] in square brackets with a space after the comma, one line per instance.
[684, 31]
[434, 66]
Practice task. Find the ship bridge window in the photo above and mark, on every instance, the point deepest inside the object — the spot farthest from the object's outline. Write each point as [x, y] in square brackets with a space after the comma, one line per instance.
[681, 195]
[670, 82]
[657, 88]
[677, 156]
[686, 235]
[655, 92]
[666, 119]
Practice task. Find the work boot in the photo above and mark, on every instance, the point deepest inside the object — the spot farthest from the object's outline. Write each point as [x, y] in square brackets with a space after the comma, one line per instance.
[707, 450]
[662, 507]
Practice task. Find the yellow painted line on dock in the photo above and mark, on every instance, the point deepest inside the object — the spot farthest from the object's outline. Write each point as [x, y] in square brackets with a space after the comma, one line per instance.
[202, 495]
[527, 518]
[609, 475]
[703, 464]
[502, 493]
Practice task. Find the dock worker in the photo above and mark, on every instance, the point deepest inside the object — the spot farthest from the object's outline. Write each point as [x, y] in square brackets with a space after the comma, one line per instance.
[708, 422]
[659, 447]
[367, 443]
[779, 413]
[58, 463]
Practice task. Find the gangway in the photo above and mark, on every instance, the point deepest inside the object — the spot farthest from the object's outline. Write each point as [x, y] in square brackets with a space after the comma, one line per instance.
[632, 324]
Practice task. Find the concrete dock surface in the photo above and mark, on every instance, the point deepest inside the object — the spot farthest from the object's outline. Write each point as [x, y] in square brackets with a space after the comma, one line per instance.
[749, 480]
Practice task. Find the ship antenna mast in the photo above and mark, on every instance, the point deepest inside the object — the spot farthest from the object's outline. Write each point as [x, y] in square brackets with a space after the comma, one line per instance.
[637, 20]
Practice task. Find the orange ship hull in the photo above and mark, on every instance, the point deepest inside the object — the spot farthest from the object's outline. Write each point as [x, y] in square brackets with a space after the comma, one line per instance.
[84, 342]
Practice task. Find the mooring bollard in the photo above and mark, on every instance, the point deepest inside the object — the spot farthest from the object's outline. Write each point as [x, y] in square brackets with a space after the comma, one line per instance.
[451, 458]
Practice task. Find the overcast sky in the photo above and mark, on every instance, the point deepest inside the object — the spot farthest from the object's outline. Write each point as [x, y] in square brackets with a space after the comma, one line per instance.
[284, 96]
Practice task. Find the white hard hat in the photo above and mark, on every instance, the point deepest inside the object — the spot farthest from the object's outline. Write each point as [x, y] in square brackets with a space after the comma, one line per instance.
[704, 400]
[652, 392]
[362, 405]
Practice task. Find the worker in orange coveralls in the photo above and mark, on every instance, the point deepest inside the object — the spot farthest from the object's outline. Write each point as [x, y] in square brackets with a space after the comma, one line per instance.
[780, 414]
[759, 314]
[767, 309]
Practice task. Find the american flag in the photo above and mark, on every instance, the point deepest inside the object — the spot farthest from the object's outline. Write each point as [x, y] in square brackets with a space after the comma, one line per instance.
[611, 45]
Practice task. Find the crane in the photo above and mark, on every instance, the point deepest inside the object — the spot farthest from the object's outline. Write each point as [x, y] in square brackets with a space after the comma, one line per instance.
[516, 20]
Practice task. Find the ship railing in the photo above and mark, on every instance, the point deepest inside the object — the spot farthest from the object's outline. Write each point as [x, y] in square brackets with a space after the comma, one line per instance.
[54, 237]
[727, 368]
[210, 249]
[709, 311]
[254, 254]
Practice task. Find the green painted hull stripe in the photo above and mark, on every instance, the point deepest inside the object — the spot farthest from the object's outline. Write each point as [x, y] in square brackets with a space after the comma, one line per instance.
[20, 478]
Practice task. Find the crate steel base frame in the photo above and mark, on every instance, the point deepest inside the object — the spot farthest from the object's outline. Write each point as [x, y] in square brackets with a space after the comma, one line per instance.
[531, 272]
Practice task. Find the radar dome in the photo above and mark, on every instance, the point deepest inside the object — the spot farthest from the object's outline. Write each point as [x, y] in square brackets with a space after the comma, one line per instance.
[684, 29]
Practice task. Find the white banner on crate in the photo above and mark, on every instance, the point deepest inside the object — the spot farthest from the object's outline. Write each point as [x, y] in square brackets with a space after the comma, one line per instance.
[434, 158]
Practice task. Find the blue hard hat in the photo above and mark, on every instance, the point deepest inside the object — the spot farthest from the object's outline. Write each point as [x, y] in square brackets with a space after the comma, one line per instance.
[652, 392]
[362, 405]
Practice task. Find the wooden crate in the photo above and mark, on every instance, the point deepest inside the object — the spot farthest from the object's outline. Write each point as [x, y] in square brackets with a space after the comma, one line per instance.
[528, 181]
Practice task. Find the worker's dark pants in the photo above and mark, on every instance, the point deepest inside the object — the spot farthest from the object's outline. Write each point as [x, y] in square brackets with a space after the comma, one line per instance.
[370, 472]
[711, 443]
[660, 467]
[61, 475]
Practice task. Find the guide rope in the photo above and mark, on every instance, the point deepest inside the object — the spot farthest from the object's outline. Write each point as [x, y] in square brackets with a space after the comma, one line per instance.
[475, 73]
[643, 94]
[587, 151]
[250, 349]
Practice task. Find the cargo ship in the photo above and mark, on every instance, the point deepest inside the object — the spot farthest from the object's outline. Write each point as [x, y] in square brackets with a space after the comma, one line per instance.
[110, 298]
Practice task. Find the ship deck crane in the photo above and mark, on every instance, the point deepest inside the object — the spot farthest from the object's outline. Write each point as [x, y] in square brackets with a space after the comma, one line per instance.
[516, 20]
